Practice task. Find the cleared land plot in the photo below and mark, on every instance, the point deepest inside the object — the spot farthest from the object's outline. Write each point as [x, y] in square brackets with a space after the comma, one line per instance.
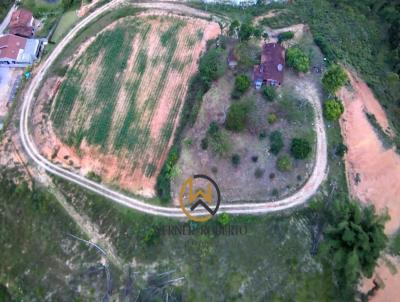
[294, 118]
[119, 104]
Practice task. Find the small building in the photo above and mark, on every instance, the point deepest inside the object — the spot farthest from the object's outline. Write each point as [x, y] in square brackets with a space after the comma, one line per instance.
[271, 68]
[232, 59]
[17, 51]
[22, 23]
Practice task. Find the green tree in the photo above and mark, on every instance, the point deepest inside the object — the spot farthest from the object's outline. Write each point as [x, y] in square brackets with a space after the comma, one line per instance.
[276, 141]
[235, 159]
[246, 31]
[212, 65]
[341, 150]
[353, 241]
[218, 140]
[237, 116]
[284, 163]
[300, 148]
[297, 59]
[333, 109]
[242, 83]
[269, 93]
[334, 78]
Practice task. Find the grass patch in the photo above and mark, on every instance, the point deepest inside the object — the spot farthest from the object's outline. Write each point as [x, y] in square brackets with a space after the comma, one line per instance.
[67, 21]
[386, 140]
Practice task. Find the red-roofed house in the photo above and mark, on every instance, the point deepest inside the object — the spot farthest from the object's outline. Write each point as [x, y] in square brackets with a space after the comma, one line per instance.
[17, 51]
[270, 70]
[21, 23]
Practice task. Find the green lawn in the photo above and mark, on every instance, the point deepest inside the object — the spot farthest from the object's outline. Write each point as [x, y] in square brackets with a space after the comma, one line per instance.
[66, 22]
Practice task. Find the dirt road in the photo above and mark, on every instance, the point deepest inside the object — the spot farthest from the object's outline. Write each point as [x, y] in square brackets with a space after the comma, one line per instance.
[300, 197]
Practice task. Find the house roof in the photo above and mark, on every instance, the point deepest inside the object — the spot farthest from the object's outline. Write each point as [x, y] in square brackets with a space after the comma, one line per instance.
[11, 46]
[272, 63]
[23, 31]
[21, 17]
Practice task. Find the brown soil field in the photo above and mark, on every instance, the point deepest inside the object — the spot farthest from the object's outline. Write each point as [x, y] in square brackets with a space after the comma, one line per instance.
[126, 167]
[377, 169]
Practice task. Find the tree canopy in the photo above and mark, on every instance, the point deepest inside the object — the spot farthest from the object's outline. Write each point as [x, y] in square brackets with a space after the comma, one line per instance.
[353, 241]
[334, 78]
[333, 109]
[242, 83]
[297, 59]
[300, 148]
[212, 65]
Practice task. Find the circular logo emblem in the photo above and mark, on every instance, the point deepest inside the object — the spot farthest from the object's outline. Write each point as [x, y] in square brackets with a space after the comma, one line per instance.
[199, 198]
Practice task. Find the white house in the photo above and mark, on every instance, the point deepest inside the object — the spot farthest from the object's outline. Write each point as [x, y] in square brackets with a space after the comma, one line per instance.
[17, 51]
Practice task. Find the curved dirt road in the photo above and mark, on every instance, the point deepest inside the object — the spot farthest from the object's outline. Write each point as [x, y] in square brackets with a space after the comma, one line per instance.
[300, 197]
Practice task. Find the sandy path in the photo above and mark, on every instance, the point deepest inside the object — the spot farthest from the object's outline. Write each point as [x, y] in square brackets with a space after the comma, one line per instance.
[377, 169]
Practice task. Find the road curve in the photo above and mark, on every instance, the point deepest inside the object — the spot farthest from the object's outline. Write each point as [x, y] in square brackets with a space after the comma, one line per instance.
[300, 197]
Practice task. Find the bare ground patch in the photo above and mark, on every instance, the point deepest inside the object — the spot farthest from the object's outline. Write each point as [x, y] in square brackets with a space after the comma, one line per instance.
[373, 172]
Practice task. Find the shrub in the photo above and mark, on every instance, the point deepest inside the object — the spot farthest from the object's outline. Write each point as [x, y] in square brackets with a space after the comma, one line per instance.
[262, 135]
[341, 150]
[286, 35]
[204, 143]
[297, 59]
[334, 78]
[224, 219]
[246, 30]
[235, 159]
[284, 163]
[272, 118]
[94, 176]
[269, 93]
[276, 141]
[300, 148]
[242, 83]
[259, 173]
[333, 109]
[237, 116]
[217, 140]
[213, 128]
